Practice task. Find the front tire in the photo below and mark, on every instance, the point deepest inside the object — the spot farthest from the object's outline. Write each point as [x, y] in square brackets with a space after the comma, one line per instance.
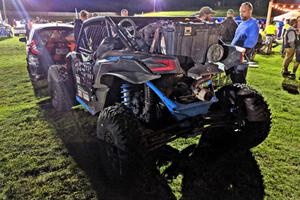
[247, 115]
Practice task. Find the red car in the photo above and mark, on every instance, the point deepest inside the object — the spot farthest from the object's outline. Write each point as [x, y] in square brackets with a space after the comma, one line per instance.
[47, 44]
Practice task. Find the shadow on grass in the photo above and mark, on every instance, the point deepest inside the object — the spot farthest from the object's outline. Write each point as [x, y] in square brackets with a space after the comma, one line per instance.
[291, 86]
[222, 174]
[208, 173]
[77, 130]
[4, 38]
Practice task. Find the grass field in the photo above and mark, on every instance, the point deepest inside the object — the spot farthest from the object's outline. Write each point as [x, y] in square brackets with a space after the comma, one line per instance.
[219, 13]
[47, 155]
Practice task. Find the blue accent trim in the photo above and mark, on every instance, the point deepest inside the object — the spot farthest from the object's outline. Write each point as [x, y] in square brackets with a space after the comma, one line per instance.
[113, 58]
[170, 104]
[183, 111]
[85, 105]
[116, 58]
[193, 109]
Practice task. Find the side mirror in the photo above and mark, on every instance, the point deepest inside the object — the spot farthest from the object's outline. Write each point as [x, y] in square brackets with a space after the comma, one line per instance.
[23, 40]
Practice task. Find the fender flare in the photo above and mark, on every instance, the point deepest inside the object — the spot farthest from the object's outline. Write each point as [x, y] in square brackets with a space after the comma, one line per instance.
[133, 73]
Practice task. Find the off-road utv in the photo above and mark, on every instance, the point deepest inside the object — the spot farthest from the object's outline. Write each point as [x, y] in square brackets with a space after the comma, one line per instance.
[152, 80]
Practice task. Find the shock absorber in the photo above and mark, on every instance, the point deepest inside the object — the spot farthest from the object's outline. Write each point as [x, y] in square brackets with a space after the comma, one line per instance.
[149, 111]
[125, 94]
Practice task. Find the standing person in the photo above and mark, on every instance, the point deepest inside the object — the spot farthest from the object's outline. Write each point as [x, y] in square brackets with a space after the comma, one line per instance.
[262, 25]
[296, 65]
[205, 14]
[247, 33]
[14, 23]
[246, 36]
[28, 26]
[285, 28]
[83, 15]
[229, 27]
[124, 13]
[271, 35]
[290, 43]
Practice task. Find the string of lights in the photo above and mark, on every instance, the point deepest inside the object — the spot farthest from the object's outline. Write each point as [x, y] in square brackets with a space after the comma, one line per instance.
[286, 7]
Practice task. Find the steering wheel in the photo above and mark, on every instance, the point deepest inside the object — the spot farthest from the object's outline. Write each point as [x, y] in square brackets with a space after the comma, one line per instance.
[128, 27]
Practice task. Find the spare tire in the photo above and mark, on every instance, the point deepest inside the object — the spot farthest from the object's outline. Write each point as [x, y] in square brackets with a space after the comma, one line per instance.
[247, 117]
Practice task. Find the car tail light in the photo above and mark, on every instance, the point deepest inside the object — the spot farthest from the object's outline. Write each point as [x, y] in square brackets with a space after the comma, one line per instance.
[169, 65]
[33, 47]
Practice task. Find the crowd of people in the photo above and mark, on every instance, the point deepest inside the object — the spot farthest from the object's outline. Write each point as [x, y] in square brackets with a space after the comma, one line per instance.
[248, 34]
[245, 35]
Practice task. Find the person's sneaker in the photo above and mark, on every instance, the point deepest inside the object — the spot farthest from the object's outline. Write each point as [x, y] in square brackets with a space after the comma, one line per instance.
[285, 73]
[293, 76]
[253, 64]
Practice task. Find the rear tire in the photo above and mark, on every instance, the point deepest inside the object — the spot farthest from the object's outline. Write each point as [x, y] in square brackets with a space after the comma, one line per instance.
[248, 113]
[122, 134]
[61, 89]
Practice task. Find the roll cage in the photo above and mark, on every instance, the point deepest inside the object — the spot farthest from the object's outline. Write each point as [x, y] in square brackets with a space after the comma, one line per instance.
[94, 30]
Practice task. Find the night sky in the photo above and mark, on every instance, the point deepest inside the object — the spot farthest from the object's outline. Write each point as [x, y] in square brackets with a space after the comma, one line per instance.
[90, 5]
[115, 5]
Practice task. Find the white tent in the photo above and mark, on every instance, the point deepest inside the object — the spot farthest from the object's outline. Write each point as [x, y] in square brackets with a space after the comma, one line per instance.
[289, 15]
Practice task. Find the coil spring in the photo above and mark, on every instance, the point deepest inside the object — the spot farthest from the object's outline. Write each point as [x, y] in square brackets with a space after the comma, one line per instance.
[125, 94]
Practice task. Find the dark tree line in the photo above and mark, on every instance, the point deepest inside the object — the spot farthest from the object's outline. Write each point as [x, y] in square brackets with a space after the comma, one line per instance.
[259, 5]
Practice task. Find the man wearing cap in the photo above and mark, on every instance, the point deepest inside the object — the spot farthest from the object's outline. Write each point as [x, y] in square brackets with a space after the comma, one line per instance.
[229, 27]
[205, 14]
[247, 33]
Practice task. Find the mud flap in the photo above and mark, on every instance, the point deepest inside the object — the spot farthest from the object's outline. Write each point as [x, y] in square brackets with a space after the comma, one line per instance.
[253, 104]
